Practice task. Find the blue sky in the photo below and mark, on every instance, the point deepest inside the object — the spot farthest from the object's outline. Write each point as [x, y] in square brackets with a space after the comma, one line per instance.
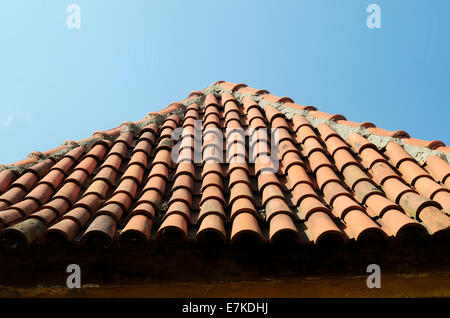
[132, 57]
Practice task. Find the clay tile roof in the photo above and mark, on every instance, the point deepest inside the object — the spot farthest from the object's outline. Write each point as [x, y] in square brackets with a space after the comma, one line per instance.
[320, 177]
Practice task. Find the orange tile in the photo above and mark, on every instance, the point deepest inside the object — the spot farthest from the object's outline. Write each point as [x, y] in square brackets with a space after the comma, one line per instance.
[69, 191]
[10, 216]
[266, 179]
[354, 174]
[435, 220]
[87, 165]
[67, 228]
[114, 210]
[103, 227]
[79, 215]
[413, 204]
[332, 190]
[185, 168]
[282, 225]
[41, 193]
[310, 205]
[245, 224]
[397, 154]
[26, 207]
[344, 204]
[383, 172]
[46, 216]
[125, 137]
[359, 143]
[440, 169]
[91, 202]
[133, 172]
[237, 165]
[241, 205]
[26, 181]
[231, 86]
[212, 179]
[301, 191]
[270, 192]
[411, 172]
[272, 113]
[98, 151]
[211, 224]
[275, 206]
[306, 131]
[310, 145]
[159, 170]
[279, 122]
[388, 133]
[139, 157]
[264, 164]
[128, 186]
[212, 167]
[291, 159]
[174, 223]
[379, 204]
[183, 181]
[13, 195]
[41, 168]
[324, 175]
[360, 225]
[99, 188]
[58, 205]
[398, 223]
[423, 143]
[322, 227]
[180, 208]
[298, 106]
[344, 158]
[106, 174]
[238, 176]
[318, 159]
[370, 156]
[326, 131]
[119, 149]
[395, 188]
[442, 196]
[182, 195]
[144, 208]
[240, 190]
[140, 225]
[276, 99]
[334, 144]
[287, 147]
[364, 189]
[53, 178]
[299, 121]
[80, 176]
[64, 164]
[211, 206]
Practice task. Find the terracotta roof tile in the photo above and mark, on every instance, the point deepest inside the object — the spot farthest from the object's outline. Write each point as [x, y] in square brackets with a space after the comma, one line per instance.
[212, 224]
[261, 176]
[440, 169]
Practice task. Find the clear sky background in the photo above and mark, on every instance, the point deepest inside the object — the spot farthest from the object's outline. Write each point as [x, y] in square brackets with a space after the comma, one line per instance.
[132, 57]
